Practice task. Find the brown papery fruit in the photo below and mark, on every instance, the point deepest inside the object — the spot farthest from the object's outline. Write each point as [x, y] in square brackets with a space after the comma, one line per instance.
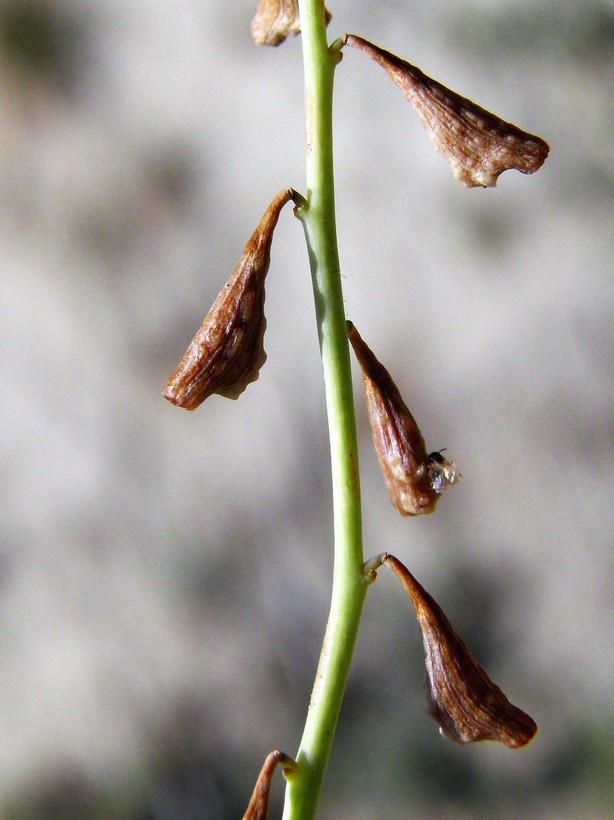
[277, 19]
[415, 478]
[478, 145]
[461, 696]
[258, 808]
[227, 352]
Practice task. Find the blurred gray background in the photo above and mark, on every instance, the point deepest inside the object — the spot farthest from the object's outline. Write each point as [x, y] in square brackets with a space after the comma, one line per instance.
[165, 576]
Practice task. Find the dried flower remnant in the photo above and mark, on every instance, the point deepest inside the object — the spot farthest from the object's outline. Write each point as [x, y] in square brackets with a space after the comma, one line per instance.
[478, 145]
[275, 20]
[227, 352]
[415, 480]
[258, 808]
[462, 698]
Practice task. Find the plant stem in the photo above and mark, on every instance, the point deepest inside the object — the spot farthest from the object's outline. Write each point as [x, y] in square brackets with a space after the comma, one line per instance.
[349, 581]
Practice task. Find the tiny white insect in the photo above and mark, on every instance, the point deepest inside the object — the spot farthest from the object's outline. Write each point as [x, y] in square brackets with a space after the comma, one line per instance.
[442, 472]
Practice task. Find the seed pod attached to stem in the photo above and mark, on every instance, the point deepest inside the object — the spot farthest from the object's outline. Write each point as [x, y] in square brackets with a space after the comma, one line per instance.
[258, 808]
[478, 145]
[415, 479]
[275, 20]
[461, 697]
[227, 352]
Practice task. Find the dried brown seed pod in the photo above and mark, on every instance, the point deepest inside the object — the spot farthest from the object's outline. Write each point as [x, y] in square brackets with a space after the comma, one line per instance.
[258, 808]
[277, 19]
[478, 145]
[227, 352]
[414, 478]
[461, 696]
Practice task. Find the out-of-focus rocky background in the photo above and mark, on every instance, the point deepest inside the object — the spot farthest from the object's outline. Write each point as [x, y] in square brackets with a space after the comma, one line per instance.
[165, 576]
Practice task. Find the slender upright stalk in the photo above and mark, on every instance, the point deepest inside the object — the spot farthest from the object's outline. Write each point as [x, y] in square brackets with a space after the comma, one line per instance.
[349, 582]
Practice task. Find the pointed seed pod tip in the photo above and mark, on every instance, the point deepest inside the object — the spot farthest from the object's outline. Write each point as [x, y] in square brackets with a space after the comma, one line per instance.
[478, 145]
[461, 697]
[258, 808]
[227, 352]
[415, 479]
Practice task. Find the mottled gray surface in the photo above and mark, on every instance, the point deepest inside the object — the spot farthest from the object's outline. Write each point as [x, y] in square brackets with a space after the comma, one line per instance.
[164, 576]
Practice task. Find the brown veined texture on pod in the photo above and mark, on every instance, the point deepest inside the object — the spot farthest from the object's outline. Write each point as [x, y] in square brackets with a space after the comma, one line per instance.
[275, 20]
[228, 351]
[415, 479]
[478, 145]
[258, 808]
[461, 697]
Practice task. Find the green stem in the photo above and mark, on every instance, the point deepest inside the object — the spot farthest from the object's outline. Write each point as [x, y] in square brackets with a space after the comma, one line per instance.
[349, 581]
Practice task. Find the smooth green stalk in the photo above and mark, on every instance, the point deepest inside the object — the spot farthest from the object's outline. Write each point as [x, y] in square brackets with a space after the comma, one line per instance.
[349, 581]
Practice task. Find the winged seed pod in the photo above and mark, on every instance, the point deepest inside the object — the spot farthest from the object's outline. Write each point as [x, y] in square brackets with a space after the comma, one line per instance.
[461, 697]
[277, 19]
[227, 352]
[478, 145]
[414, 478]
[258, 808]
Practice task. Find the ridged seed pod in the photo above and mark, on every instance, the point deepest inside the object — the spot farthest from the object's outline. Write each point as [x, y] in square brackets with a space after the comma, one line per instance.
[478, 145]
[275, 20]
[415, 478]
[462, 698]
[227, 352]
[258, 808]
